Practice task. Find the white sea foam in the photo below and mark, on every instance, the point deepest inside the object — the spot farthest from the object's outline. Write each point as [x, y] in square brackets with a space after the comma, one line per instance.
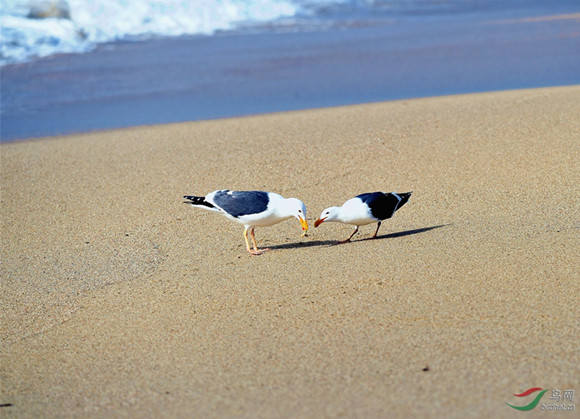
[37, 28]
[92, 22]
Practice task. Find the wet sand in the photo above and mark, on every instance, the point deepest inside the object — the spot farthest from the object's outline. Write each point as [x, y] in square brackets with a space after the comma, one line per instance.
[118, 299]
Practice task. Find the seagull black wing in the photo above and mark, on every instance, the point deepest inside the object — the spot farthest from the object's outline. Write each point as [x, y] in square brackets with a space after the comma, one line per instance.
[239, 203]
[384, 205]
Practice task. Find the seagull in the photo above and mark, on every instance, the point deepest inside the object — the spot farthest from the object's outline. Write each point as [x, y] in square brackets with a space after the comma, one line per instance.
[365, 209]
[252, 209]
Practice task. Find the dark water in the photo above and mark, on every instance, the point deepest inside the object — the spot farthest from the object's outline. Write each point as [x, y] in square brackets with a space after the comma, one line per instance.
[346, 56]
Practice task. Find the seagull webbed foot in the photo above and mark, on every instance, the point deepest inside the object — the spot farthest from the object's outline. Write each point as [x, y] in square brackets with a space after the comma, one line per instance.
[349, 237]
[258, 252]
[254, 251]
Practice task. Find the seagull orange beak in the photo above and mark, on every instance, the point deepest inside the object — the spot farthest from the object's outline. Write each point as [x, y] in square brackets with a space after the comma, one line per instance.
[304, 224]
[319, 221]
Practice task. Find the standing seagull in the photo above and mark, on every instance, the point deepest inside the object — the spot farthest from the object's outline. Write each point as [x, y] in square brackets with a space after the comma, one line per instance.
[252, 209]
[365, 209]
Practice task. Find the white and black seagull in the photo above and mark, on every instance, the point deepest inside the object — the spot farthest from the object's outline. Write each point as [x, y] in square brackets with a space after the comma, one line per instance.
[366, 208]
[252, 209]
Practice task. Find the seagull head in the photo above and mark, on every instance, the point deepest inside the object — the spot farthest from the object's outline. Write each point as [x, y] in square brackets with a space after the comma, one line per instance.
[296, 208]
[329, 214]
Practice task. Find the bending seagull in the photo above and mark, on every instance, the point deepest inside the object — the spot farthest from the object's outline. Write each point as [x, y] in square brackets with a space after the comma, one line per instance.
[252, 209]
[365, 209]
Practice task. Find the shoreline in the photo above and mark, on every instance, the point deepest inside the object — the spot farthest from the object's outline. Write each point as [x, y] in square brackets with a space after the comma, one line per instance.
[118, 299]
[279, 112]
[269, 114]
[169, 80]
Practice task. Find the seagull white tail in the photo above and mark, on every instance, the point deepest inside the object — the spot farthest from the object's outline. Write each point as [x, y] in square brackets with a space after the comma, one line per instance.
[199, 201]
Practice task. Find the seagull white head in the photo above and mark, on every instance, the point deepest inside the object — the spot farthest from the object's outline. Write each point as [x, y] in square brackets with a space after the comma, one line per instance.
[293, 207]
[329, 214]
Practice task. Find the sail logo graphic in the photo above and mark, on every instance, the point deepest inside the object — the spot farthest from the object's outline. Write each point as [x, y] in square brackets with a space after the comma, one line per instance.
[560, 397]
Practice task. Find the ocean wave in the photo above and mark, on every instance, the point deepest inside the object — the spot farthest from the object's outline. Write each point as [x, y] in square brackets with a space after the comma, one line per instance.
[37, 28]
[31, 29]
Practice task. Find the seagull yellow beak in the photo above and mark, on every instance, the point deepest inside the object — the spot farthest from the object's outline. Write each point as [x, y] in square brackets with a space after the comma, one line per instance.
[304, 224]
[319, 221]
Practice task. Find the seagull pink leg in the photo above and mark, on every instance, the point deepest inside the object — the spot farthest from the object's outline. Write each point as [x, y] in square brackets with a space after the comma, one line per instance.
[248, 243]
[258, 252]
[350, 237]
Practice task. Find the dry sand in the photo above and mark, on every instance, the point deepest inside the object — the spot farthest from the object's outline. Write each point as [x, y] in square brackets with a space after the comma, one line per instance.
[119, 300]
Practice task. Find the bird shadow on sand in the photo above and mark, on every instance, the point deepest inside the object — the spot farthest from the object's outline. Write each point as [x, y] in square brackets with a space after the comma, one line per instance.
[406, 233]
[316, 243]
[296, 245]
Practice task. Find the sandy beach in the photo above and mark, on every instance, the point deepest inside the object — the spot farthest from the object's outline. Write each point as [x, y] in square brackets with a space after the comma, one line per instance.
[119, 300]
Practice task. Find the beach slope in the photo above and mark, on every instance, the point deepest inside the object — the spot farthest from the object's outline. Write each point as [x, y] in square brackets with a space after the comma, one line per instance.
[118, 299]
